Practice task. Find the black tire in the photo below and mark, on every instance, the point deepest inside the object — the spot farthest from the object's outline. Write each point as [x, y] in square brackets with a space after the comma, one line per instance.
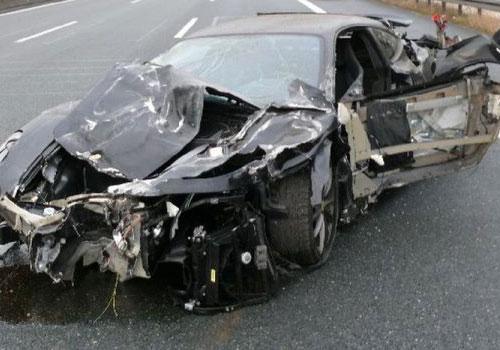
[293, 236]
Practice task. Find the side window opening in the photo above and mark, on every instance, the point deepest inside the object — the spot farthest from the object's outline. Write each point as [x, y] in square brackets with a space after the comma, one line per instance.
[362, 69]
[349, 78]
[376, 74]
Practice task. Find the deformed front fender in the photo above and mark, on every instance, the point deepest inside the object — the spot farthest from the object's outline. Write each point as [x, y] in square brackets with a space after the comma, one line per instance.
[37, 135]
[272, 141]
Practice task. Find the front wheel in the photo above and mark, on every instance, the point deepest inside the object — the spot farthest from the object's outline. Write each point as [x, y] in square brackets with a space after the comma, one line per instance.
[306, 235]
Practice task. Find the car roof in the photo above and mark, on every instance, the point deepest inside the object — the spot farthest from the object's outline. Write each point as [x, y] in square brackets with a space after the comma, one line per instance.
[290, 23]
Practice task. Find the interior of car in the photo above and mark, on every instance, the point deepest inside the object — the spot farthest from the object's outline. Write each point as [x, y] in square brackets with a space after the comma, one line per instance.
[358, 59]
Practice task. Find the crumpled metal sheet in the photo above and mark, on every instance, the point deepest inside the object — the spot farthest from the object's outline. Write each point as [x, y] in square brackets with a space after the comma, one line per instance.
[305, 96]
[140, 116]
[56, 249]
[414, 62]
[270, 131]
[134, 120]
[474, 50]
[403, 65]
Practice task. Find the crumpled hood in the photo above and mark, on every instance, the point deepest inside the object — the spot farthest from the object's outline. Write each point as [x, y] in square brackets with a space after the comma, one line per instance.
[134, 120]
[141, 116]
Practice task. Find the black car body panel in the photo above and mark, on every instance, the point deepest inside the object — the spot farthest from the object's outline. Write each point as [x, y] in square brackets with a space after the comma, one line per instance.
[478, 49]
[36, 137]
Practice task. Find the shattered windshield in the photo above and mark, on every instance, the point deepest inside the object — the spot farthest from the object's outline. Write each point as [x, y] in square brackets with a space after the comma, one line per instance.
[258, 67]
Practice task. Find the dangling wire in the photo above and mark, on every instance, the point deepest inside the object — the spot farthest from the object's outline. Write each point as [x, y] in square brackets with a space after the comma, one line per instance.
[111, 301]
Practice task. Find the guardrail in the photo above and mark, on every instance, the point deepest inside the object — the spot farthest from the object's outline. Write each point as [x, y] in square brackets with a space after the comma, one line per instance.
[492, 5]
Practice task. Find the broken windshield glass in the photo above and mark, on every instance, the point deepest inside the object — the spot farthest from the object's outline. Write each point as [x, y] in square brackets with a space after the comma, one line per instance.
[259, 67]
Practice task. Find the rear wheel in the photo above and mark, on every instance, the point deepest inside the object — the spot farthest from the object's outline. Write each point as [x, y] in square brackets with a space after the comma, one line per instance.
[305, 236]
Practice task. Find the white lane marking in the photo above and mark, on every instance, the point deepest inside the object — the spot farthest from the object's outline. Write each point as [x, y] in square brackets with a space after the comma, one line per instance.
[35, 8]
[135, 1]
[311, 6]
[22, 40]
[180, 34]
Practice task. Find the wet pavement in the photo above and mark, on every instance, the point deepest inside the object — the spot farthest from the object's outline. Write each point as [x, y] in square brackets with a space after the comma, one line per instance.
[26, 297]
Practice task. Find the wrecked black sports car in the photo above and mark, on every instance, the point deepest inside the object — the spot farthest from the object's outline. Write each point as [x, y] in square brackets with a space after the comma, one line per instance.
[231, 158]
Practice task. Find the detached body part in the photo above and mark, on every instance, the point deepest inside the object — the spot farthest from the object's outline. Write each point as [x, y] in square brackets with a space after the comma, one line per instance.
[227, 188]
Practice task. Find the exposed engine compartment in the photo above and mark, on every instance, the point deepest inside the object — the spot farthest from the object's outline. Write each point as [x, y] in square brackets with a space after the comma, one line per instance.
[208, 231]
[215, 253]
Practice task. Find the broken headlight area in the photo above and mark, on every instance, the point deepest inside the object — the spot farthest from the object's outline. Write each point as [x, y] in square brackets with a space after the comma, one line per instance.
[4, 148]
[213, 249]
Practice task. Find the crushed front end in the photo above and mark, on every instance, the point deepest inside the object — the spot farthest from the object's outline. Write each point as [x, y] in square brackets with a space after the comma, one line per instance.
[174, 177]
[212, 248]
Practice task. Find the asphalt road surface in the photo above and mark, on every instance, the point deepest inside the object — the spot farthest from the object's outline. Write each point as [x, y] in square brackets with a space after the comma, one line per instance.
[421, 270]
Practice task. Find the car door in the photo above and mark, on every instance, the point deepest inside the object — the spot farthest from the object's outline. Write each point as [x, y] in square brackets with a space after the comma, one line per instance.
[408, 133]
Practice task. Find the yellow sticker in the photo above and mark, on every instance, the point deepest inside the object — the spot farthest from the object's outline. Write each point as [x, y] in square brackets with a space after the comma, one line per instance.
[212, 275]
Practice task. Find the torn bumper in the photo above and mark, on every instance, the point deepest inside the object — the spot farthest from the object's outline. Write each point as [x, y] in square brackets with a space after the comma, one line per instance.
[219, 265]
